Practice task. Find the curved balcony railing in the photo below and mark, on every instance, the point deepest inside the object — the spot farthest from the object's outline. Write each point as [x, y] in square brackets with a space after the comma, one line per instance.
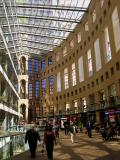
[3, 100]
[12, 144]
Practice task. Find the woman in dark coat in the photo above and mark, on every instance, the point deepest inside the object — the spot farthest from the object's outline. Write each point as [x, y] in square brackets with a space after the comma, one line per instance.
[32, 137]
[49, 139]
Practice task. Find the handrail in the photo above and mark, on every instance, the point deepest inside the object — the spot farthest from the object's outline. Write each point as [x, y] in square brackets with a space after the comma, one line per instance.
[13, 144]
[11, 135]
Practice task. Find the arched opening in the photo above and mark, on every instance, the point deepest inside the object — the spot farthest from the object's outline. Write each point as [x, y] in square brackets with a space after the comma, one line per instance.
[23, 111]
[23, 89]
[23, 65]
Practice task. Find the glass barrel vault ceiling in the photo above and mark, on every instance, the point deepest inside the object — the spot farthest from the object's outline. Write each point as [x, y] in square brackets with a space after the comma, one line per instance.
[37, 26]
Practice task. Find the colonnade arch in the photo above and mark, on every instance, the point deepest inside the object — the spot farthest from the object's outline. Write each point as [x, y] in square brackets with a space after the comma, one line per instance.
[23, 88]
[23, 111]
[23, 64]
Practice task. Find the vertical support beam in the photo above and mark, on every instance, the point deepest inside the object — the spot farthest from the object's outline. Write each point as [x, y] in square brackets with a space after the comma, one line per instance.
[26, 116]
[10, 28]
[8, 52]
[97, 112]
[5, 123]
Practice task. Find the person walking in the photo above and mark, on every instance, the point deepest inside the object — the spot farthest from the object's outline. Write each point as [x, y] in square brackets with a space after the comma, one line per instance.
[66, 126]
[56, 130]
[49, 140]
[89, 129]
[32, 137]
[81, 126]
[72, 130]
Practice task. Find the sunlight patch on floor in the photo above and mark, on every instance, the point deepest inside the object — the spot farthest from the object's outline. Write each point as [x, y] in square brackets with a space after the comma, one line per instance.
[62, 156]
[90, 152]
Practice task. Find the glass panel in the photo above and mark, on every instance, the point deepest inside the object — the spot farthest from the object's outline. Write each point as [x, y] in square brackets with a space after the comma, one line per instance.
[112, 90]
[72, 43]
[101, 3]
[66, 84]
[67, 108]
[51, 84]
[43, 65]
[81, 69]
[97, 55]
[29, 66]
[83, 107]
[64, 51]
[90, 67]
[94, 15]
[73, 75]
[36, 65]
[14, 144]
[57, 56]
[76, 106]
[58, 82]
[37, 89]
[50, 61]
[30, 90]
[79, 37]
[108, 55]
[44, 87]
[55, 19]
[86, 26]
[116, 28]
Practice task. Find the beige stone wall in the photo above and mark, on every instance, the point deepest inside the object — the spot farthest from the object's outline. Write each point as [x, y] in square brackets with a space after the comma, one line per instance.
[23, 101]
[90, 85]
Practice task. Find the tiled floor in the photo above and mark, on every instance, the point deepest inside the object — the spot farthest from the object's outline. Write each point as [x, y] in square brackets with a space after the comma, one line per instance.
[84, 149]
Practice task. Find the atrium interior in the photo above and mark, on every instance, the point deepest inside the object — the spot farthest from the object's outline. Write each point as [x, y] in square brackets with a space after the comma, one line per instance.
[58, 59]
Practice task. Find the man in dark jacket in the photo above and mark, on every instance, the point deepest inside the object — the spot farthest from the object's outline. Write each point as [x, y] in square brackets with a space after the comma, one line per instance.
[89, 129]
[32, 137]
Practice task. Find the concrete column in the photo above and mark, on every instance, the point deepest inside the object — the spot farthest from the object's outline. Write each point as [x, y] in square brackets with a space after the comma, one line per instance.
[26, 116]
[78, 101]
[12, 121]
[23, 77]
[97, 103]
[71, 105]
[77, 71]
[69, 75]
[62, 79]
[19, 86]
[55, 82]
[47, 86]
[5, 91]
[26, 88]
[106, 95]
[18, 107]
[4, 123]
[117, 83]
[87, 102]
[0, 86]
[26, 65]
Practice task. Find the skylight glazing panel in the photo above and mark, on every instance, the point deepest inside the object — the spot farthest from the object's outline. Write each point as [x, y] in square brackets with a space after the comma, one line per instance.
[58, 41]
[22, 20]
[48, 10]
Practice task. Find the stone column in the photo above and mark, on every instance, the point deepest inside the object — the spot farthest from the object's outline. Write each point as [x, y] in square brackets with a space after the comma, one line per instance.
[26, 116]
[97, 107]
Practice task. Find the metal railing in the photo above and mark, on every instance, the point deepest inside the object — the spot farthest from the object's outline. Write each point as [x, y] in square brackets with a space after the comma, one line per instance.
[13, 143]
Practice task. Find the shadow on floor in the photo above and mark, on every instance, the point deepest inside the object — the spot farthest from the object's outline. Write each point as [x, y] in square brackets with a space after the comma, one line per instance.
[26, 155]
